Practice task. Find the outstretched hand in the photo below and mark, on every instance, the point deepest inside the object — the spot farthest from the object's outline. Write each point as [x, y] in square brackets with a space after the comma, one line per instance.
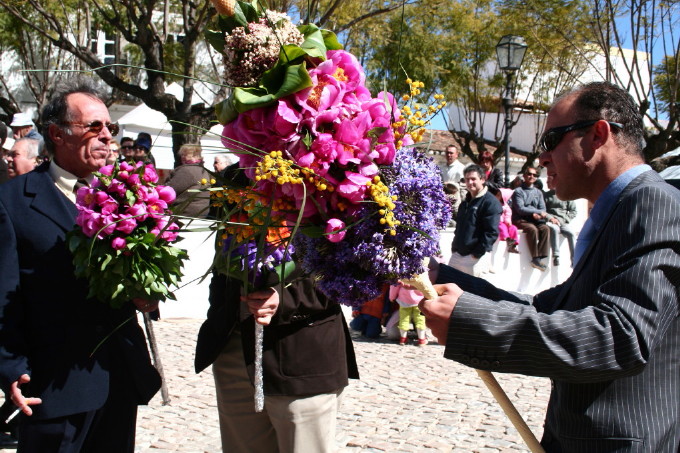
[24, 404]
[262, 304]
[438, 311]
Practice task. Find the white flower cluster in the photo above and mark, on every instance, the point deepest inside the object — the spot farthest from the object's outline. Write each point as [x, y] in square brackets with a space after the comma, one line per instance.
[249, 53]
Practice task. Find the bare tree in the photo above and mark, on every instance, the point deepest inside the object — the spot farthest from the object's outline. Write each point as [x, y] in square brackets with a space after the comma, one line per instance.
[67, 26]
[650, 27]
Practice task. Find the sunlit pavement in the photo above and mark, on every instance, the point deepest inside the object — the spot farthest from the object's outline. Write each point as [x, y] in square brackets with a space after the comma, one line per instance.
[409, 399]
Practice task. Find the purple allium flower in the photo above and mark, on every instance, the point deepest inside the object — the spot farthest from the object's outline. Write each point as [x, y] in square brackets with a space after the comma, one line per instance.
[246, 256]
[354, 270]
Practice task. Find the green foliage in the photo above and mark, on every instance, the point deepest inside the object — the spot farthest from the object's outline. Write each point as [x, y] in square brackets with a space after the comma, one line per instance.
[143, 269]
[289, 74]
[667, 85]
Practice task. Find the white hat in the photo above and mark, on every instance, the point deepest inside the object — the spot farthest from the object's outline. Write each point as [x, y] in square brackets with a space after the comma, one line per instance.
[21, 119]
[9, 142]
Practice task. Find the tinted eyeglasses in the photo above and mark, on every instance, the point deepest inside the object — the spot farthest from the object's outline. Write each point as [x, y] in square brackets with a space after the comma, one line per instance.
[552, 137]
[533, 175]
[97, 126]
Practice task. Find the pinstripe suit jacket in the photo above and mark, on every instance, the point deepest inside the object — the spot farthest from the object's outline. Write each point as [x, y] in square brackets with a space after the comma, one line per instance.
[608, 337]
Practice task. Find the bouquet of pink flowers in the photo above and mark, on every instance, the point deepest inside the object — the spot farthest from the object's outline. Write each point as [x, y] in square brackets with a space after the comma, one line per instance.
[122, 241]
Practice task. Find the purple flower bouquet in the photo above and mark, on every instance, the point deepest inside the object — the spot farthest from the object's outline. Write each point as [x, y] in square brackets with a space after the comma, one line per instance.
[123, 236]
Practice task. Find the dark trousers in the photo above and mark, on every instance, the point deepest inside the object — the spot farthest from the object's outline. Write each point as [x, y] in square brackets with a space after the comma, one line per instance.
[109, 429]
[538, 238]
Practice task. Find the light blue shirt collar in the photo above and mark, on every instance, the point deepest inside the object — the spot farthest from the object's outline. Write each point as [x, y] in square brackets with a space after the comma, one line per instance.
[606, 200]
[602, 206]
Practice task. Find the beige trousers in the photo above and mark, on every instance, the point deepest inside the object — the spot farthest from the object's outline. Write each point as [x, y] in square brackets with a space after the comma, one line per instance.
[288, 424]
[469, 264]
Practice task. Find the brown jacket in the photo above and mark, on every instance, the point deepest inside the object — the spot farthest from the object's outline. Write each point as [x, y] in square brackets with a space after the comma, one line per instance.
[307, 348]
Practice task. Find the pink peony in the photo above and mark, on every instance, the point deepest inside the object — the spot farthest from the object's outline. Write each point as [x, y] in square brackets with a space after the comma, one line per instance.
[126, 224]
[166, 193]
[118, 243]
[354, 187]
[138, 211]
[106, 170]
[335, 230]
[150, 174]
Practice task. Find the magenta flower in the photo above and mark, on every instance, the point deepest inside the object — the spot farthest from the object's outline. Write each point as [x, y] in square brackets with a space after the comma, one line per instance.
[126, 224]
[106, 204]
[150, 174]
[118, 243]
[138, 211]
[335, 230]
[126, 167]
[165, 231]
[354, 187]
[166, 193]
[106, 170]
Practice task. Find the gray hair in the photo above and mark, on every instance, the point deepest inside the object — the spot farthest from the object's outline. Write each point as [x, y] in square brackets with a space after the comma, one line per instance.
[56, 110]
[32, 147]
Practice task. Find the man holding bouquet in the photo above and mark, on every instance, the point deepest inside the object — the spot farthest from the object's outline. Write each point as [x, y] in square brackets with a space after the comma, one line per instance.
[75, 367]
[307, 360]
[608, 336]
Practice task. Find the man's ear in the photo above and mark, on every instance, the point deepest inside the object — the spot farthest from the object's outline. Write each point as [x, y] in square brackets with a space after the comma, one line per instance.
[56, 134]
[601, 133]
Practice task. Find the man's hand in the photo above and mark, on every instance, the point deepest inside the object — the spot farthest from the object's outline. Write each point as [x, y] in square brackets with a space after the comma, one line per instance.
[555, 220]
[262, 304]
[438, 311]
[18, 398]
[144, 305]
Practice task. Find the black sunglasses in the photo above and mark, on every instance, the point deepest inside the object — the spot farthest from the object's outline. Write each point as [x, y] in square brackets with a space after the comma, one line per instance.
[552, 137]
[97, 126]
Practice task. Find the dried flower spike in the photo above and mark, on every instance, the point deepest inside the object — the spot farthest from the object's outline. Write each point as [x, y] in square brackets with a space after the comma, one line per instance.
[224, 7]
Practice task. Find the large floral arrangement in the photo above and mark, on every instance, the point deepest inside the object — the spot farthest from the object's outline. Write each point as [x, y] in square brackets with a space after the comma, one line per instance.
[122, 241]
[330, 161]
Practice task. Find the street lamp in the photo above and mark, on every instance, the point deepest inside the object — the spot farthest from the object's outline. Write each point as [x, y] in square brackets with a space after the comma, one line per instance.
[510, 52]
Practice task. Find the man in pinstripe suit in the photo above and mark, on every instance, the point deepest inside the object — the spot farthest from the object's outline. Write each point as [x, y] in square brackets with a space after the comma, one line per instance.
[608, 337]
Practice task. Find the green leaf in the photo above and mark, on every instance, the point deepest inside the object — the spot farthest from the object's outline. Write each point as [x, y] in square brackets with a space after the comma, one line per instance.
[226, 110]
[215, 39]
[314, 42]
[292, 79]
[331, 40]
[284, 270]
[376, 132]
[312, 231]
[107, 259]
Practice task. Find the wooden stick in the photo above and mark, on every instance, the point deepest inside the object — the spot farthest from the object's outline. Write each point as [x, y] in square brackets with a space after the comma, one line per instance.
[156, 358]
[515, 418]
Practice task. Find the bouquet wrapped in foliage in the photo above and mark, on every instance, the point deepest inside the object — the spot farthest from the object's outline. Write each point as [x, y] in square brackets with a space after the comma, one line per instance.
[122, 241]
[328, 160]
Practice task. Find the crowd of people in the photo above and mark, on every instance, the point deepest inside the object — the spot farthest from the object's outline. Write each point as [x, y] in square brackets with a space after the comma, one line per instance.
[607, 337]
[489, 212]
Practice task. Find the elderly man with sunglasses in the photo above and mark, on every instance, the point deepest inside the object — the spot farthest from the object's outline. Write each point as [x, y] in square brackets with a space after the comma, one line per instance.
[608, 337]
[76, 368]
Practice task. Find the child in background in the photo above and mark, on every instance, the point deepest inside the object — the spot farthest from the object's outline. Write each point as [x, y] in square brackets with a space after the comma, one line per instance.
[453, 195]
[369, 318]
[506, 230]
[408, 300]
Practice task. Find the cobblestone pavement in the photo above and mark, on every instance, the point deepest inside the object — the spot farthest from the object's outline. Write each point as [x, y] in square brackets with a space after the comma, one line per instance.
[409, 399]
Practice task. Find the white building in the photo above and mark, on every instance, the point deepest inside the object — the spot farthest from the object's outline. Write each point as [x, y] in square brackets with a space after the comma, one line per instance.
[529, 126]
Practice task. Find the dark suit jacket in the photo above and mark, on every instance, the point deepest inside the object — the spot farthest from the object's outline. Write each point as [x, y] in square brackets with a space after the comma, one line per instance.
[48, 326]
[609, 337]
[307, 347]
